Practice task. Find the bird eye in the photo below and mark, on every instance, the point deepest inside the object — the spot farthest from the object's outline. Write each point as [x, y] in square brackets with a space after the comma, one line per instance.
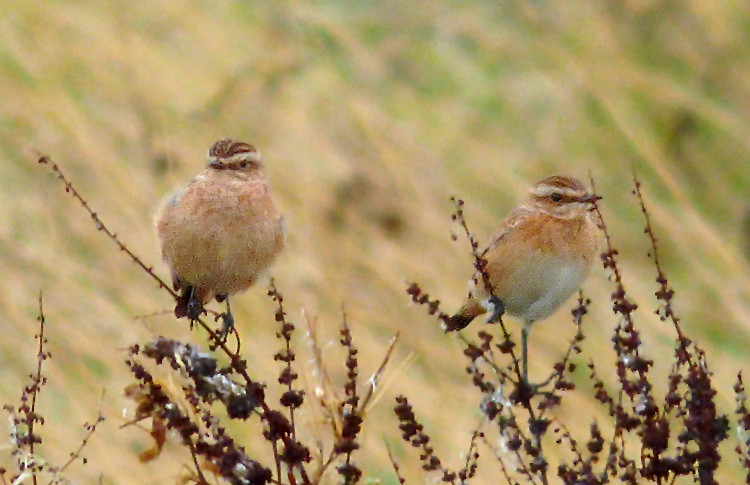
[243, 164]
[556, 197]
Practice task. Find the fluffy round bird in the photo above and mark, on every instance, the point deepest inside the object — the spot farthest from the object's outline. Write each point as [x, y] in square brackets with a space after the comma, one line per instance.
[537, 258]
[222, 231]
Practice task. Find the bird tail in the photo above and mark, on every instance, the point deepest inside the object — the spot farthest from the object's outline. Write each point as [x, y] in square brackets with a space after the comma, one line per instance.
[465, 315]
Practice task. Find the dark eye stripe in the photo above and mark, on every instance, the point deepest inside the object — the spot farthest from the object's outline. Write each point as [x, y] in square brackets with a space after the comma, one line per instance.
[557, 198]
[242, 165]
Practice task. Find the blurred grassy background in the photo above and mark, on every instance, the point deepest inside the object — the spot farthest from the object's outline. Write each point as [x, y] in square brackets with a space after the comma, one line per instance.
[369, 115]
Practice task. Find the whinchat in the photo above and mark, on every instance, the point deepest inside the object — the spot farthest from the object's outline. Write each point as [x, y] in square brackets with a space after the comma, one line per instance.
[222, 231]
[537, 258]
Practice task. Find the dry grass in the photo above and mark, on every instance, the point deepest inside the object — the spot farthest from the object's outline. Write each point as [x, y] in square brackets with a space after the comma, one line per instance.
[369, 117]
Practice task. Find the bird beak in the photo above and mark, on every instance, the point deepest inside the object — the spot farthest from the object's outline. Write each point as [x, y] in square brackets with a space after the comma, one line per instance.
[591, 198]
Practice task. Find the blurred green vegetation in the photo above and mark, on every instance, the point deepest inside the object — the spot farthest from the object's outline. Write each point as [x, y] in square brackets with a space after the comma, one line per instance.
[369, 115]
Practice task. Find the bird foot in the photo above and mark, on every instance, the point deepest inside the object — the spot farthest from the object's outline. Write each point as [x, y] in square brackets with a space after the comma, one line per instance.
[227, 324]
[194, 309]
[523, 391]
[498, 309]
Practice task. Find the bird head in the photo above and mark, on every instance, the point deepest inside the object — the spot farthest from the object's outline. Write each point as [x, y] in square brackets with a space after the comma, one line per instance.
[563, 196]
[235, 157]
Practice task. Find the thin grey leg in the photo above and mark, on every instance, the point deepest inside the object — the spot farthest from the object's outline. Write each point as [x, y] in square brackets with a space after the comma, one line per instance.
[194, 307]
[227, 320]
[524, 356]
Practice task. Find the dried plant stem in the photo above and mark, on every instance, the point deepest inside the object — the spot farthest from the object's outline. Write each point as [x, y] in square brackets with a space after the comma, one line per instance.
[41, 356]
[396, 469]
[45, 160]
[91, 429]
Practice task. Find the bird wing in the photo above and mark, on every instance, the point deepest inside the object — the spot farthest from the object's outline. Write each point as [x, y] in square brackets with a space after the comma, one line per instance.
[511, 221]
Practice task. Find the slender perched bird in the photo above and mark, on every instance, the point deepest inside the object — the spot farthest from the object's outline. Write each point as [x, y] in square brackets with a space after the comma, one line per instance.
[222, 231]
[537, 258]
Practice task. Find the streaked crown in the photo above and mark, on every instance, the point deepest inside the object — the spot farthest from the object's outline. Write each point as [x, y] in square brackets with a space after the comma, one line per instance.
[227, 149]
[232, 154]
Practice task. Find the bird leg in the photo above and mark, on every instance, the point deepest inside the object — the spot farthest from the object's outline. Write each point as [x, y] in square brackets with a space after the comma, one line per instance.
[194, 305]
[498, 309]
[226, 317]
[524, 355]
[528, 389]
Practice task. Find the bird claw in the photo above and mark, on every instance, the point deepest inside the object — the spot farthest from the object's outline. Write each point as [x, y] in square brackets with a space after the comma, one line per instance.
[524, 390]
[498, 309]
[227, 324]
[194, 309]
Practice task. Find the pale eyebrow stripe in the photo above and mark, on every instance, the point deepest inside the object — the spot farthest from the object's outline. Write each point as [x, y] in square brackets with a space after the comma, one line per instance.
[545, 190]
[250, 156]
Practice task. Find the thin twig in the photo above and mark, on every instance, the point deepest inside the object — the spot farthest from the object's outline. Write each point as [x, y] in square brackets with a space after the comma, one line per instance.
[45, 160]
[499, 459]
[41, 356]
[376, 376]
[471, 456]
[91, 430]
[394, 464]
